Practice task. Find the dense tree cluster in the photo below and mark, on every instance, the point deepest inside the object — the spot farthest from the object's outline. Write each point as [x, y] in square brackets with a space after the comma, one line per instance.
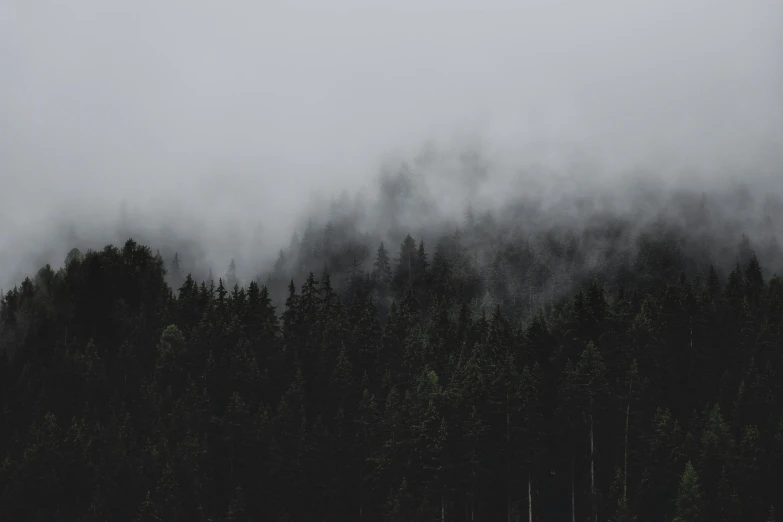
[437, 382]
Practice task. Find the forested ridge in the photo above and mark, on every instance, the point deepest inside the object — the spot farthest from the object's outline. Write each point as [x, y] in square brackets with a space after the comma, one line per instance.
[558, 376]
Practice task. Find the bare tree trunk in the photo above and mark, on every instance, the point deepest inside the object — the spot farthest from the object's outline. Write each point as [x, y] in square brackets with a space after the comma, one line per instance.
[233, 438]
[529, 498]
[573, 493]
[473, 496]
[625, 455]
[690, 323]
[508, 460]
[592, 470]
[442, 509]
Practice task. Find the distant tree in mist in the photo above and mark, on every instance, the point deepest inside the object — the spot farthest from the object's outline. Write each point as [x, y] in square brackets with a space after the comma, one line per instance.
[176, 277]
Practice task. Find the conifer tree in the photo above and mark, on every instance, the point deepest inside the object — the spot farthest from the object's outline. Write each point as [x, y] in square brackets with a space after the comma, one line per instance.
[175, 272]
[382, 272]
[689, 503]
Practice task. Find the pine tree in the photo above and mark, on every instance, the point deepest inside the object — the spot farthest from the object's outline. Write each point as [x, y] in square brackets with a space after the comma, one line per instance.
[689, 503]
[403, 276]
[717, 452]
[588, 381]
[382, 273]
[421, 265]
[175, 273]
[221, 294]
[441, 274]
[532, 430]
[470, 219]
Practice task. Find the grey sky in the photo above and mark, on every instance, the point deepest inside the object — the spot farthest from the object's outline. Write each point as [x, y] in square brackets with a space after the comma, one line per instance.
[237, 110]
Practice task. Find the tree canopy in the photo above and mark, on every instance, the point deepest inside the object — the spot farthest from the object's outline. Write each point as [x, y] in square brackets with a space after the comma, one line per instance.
[455, 384]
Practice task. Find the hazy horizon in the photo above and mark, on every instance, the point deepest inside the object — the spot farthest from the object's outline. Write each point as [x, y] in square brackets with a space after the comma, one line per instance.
[221, 122]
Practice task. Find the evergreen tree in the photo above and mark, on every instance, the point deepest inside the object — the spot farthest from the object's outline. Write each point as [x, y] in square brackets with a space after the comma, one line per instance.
[689, 504]
[382, 273]
[175, 273]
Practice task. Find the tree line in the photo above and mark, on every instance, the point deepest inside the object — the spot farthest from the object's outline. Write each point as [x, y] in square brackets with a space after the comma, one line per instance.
[416, 386]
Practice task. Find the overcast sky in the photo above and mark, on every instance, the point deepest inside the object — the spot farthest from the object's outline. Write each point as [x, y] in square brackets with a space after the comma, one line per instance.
[238, 109]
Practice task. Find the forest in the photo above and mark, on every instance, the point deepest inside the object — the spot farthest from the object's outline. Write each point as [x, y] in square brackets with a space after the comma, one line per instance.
[488, 373]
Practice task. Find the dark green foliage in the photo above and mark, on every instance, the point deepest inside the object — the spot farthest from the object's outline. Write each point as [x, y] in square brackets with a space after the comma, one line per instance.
[690, 503]
[466, 383]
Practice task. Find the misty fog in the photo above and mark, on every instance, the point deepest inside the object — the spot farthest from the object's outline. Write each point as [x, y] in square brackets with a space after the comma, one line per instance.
[219, 128]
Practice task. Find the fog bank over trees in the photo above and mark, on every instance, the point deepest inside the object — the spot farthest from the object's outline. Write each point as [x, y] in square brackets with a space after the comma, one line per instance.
[430, 195]
[215, 127]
